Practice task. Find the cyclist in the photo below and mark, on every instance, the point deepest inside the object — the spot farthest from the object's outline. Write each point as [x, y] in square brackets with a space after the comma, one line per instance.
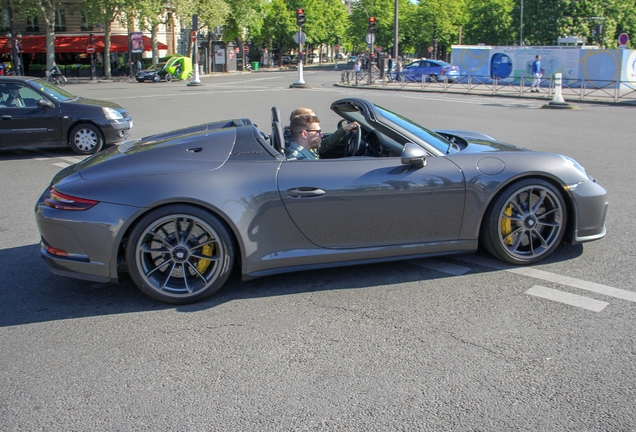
[55, 73]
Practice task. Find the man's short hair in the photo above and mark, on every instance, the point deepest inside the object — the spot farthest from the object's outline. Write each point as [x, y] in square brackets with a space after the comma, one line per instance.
[302, 122]
[299, 111]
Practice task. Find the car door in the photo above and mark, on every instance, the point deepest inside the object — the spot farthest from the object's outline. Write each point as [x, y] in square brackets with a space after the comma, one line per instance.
[412, 71]
[373, 202]
[30, 123]
[429, 68]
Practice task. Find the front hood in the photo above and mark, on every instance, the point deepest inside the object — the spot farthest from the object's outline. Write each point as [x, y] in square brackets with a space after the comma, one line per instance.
[188, 150]
[95, 102]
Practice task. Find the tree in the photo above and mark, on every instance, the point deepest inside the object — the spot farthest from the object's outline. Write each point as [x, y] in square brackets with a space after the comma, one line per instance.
[489, 22]
[106, 12]
[439, 22]
[278, 27]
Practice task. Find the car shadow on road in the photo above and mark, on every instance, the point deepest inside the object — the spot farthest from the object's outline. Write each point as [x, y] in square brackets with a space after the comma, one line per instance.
[31, 294]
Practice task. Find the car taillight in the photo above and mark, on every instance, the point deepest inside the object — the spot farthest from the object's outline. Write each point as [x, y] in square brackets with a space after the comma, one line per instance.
[60, 201]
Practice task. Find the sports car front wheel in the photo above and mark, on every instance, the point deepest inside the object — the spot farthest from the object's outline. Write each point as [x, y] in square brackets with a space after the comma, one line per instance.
[179, 254]
[526, 223]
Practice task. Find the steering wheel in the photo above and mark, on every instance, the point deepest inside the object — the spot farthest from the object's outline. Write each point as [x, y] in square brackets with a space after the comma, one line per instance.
[353, 144]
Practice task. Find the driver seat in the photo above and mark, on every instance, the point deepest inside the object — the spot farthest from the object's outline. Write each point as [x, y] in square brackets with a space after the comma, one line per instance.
[278, 139]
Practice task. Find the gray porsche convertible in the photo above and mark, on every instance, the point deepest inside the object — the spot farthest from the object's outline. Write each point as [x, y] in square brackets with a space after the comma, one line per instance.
[179, 210]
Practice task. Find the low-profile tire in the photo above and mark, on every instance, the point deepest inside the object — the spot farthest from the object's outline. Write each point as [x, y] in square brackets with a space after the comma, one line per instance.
[157, 78]
[526, 222]
[86, 139]
[179, 254]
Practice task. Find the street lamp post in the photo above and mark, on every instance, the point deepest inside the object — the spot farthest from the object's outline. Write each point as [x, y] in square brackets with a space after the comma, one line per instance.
[521, 26]
[395, 30]
[15, 52]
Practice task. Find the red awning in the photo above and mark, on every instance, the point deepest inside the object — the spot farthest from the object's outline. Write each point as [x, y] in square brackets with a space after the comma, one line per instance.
[74, 44]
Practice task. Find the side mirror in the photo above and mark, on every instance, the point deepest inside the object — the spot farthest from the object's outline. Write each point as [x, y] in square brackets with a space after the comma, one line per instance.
[43, 103]
[414, 155]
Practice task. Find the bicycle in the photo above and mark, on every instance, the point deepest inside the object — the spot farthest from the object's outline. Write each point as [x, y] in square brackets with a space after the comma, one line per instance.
[58, 80]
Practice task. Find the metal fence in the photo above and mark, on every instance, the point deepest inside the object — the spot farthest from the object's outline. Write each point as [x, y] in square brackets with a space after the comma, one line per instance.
[572, 89]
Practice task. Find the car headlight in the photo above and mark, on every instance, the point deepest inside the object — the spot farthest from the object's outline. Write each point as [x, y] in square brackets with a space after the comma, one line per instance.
[578, 167]
[112, 114]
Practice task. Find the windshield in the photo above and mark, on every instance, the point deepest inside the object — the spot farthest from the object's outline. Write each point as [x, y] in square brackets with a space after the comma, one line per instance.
[52, 91]
[158, 66]
[431, 138]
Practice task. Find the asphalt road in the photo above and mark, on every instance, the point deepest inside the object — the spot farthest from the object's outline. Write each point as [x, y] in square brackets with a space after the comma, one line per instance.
[460, 343]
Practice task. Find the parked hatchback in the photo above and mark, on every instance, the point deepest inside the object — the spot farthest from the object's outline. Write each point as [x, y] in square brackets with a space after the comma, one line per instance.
[36, 113]
[430, 70]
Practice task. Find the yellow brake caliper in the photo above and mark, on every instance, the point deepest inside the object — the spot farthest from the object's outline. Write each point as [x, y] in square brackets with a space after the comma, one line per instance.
[203, 264]
[506, 225]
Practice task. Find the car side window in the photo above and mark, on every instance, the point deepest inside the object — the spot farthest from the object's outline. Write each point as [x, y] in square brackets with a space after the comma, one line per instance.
[12, 95]
[29, 96]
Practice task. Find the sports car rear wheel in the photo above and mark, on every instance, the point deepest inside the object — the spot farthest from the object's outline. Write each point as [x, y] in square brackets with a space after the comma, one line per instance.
[526, 222]
[179, 254]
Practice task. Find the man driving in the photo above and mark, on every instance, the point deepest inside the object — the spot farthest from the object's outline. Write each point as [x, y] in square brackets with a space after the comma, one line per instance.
[326, 143]
[306, 135]
[14, 99]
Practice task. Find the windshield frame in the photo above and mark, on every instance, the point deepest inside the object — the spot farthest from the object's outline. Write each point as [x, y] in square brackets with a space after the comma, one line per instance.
[424, 135]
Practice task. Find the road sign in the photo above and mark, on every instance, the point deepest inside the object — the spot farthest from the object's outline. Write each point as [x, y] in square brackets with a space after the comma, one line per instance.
[370, 38]
[237, 50]
[90, 49]
[623, 39]
[193, 36]
[336, 47]
[246, 48]
[302, 36]
[378, 48]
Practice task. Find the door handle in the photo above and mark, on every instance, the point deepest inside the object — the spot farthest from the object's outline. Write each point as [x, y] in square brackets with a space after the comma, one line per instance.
[305, 192]
[7, 117]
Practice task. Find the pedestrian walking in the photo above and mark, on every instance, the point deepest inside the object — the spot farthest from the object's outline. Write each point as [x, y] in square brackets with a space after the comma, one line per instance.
[536, 73]
[398, 69]
[389, 68]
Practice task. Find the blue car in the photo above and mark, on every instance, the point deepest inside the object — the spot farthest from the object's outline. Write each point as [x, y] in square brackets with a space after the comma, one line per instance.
[430, 70]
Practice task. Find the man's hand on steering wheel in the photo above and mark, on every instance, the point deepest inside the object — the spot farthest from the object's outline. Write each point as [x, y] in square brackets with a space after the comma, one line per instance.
[348, 127]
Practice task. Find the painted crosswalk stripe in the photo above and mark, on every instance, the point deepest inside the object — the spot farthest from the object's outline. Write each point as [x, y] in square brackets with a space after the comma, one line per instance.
[552, 277]
[444, 267]
[62, 164]
[567, 298]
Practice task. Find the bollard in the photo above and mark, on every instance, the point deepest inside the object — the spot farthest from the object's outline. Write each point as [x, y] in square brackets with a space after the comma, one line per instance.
[558, 84]
[558, 101]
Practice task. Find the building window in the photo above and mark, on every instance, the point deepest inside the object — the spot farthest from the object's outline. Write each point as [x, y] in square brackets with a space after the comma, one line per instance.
[85, 25]
[32, 24]
[60, 20]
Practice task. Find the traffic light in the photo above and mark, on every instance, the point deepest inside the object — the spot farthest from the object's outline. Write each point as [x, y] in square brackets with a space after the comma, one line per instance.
[300, 16]
[371, 24]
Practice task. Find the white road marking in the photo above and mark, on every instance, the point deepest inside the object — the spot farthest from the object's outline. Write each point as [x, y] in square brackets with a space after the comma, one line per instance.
[444, 267]
[552, 277]
[62, 164]
[567, 298]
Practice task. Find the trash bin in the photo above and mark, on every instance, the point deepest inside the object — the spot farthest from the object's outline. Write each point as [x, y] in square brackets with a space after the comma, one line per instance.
[255, 66]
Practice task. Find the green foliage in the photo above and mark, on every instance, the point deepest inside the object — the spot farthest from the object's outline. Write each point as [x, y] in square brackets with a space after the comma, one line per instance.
[490, 22]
